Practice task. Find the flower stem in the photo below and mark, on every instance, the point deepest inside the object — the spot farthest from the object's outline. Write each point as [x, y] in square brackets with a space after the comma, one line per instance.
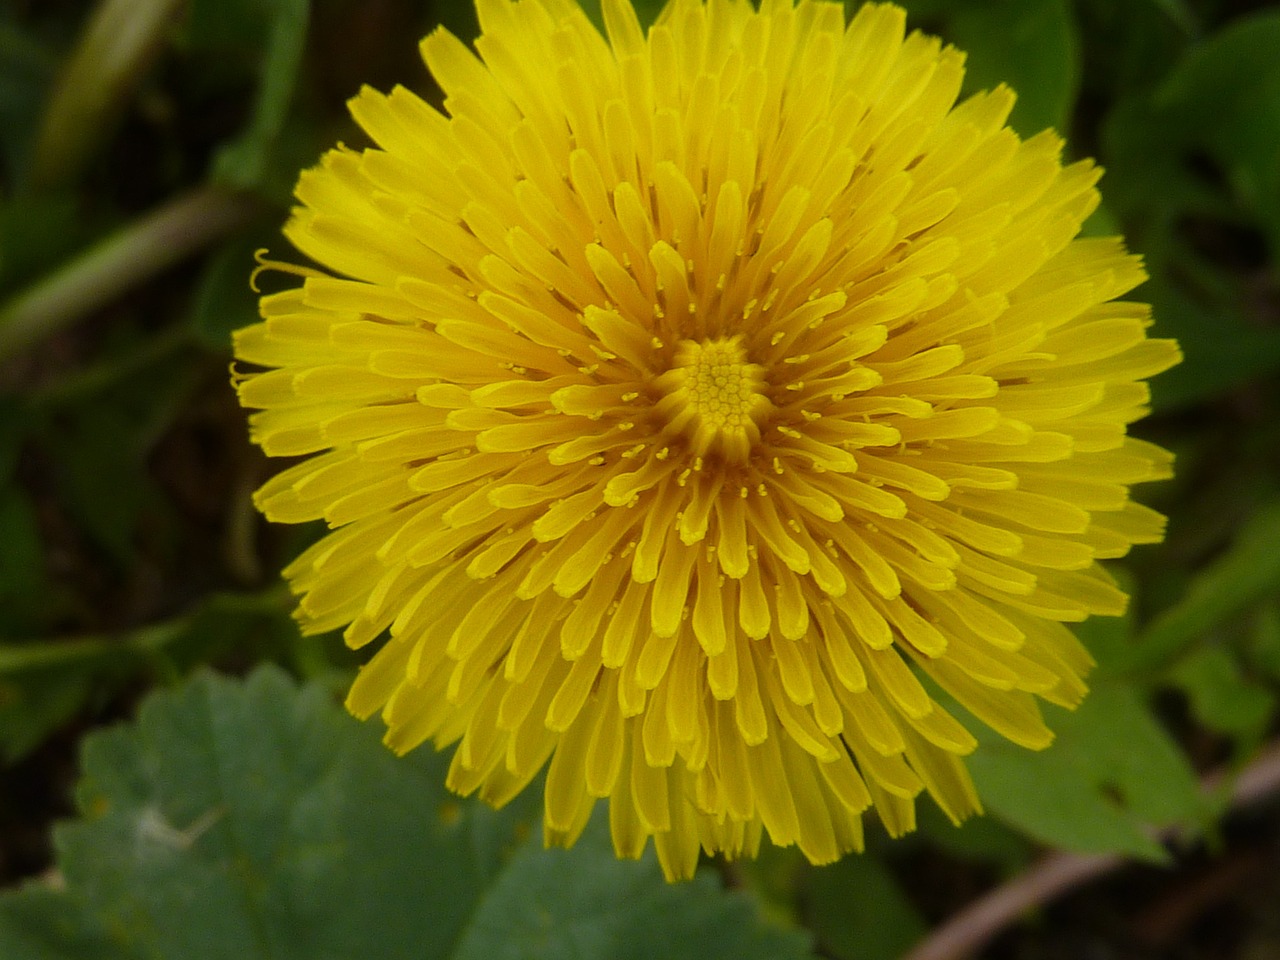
[116, 264]
[144, 642]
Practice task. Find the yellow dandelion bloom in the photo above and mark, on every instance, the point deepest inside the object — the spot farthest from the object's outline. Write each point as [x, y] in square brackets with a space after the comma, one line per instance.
[690, 406]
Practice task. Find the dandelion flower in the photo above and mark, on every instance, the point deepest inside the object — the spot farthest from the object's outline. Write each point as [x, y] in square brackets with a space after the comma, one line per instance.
[691, 407]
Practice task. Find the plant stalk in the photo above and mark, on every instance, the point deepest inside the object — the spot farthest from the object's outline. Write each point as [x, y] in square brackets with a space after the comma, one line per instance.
[121, 261]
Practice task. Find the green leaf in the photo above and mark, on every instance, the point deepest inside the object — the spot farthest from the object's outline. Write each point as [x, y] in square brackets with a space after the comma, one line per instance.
[774, 875]
[646, 10]
[275, 31]
[28, 599]
[1245, 574]
[857, 911]
[1031, 45]
[1264, 641]
[23, 581]
[117, 45]
[1132, 45]
[32, 707]
[978, 838]
[101, 476]
[1112, 774]
[1194, 173]
[1178, 12]
[585, 902]
[1222, 698]
[101, 425]
[1110, 639]
[224, 301]
[43, 924]
[37, 231]
[1222, 347]
[1225, 96]
[245, 820]
[25, 600]
[44, 683]
[27, 68]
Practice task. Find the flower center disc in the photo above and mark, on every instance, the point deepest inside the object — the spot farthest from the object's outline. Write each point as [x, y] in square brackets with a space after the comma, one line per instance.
[713, 398]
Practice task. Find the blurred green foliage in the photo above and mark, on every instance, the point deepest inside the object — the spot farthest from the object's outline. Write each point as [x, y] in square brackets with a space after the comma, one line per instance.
[132, 556]
[246, 820]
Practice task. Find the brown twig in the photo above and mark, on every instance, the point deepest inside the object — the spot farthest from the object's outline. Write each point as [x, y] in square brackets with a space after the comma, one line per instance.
[1051, 877]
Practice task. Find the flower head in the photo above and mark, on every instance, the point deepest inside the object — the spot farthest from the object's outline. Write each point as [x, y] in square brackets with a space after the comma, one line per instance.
[689, 406]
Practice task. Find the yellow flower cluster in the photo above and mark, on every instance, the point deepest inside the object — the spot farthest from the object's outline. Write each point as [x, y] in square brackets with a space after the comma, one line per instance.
[691, 405]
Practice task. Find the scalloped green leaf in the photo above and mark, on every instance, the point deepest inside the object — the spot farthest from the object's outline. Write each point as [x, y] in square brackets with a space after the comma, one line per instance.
[584, 902]
[253, 819]
[42, 924]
